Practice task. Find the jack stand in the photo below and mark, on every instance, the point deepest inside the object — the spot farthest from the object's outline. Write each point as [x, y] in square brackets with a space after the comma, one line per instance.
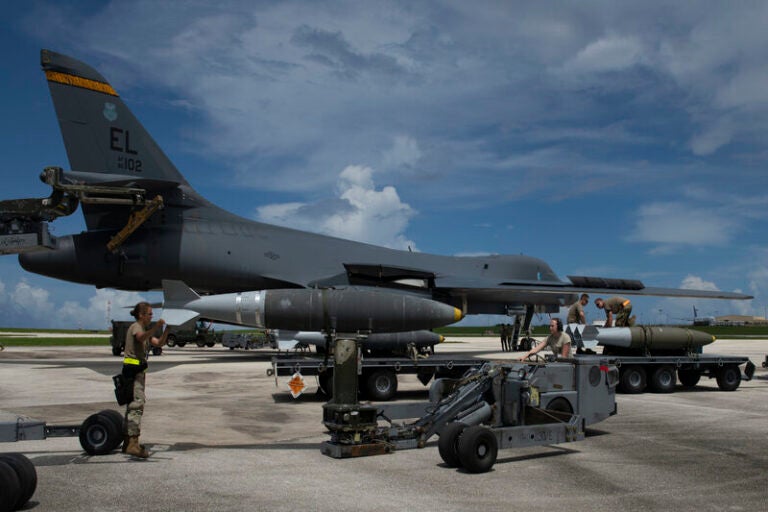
[352, 426]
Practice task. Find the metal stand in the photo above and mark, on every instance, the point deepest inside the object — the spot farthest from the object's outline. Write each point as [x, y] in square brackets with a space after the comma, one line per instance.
[352, 426]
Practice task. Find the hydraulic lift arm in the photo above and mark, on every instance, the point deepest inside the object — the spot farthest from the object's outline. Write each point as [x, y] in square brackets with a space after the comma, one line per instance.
[23, 222]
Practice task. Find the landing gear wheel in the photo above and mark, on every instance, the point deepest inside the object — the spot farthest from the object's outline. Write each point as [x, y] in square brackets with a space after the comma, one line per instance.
[478, 449]
[688, 378]
[728, 378]
[26, 473]
[99, 435]
[663, 379]
[633, 380]
[381, 385]
[10, 487]
[448, 444]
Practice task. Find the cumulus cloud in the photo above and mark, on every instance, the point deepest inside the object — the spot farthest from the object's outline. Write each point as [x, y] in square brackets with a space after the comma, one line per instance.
[691, 282]
[31, 298]
[103, 306]
[359, 212]
[25, 304]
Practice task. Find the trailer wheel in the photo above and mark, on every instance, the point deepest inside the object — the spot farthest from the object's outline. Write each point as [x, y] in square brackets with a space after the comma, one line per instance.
[118, 420]
[171, 340]
[99, 435]
[448, 444]
[688, 378]
[478, 448]
[381, 385]
[728, 377]
[10, 487]
[26, 473]
[663, 379]
[325, 381]
[633, 379]
[560, 404]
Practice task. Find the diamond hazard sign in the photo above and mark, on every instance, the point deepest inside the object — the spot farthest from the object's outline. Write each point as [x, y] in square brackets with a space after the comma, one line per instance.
[297, 385]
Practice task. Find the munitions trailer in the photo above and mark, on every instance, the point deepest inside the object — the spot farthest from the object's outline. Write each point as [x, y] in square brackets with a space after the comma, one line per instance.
[379, 374]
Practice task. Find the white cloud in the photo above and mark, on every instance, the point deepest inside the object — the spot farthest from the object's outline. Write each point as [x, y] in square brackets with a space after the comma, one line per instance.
[31, 305]
[676, 224]
[405, 153]
[359, 212]
[32, 299]
[613, 53]
[713, 137]
[691, 282]
[103, 306]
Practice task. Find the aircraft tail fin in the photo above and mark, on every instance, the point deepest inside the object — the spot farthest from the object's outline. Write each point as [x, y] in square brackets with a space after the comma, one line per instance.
[176, 296]
[101, 135]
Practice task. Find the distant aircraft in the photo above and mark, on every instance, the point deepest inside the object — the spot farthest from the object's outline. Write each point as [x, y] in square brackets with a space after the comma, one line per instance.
[145, 223]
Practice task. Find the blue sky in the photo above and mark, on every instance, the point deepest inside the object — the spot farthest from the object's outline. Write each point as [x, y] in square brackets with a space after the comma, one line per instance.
[616, 139]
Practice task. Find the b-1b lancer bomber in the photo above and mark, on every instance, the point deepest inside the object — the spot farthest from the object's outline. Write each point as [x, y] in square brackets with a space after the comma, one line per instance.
[145, 223]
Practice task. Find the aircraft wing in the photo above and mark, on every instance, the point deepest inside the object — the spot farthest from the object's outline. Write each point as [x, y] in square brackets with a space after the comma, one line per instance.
[577, 285]
[529, 291]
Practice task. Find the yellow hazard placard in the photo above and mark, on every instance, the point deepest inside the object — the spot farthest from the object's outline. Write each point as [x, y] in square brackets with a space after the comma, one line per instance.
[297, 385]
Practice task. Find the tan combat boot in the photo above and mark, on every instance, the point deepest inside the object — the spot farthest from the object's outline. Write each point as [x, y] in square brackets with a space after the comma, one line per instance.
[135, 449]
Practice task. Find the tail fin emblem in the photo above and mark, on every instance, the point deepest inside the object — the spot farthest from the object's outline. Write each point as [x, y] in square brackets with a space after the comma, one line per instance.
[110, 112]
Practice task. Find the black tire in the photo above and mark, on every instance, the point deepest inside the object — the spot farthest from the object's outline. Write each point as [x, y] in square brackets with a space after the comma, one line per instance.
[99, 435]
[200, 341]
[478, 448]
[728, 378]
[325, 381]
[209, 344]
[171, 342]
[10, 487]
[633, 380]
[118, 420]
[25, 472]
[448, 444]
[381, 385]
[688, 378]
[180, 343]
[157, 351]
[663, 379]
[560, 404]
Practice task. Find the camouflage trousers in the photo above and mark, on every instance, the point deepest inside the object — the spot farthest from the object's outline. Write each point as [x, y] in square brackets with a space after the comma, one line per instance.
[623, 319]
[135, 409]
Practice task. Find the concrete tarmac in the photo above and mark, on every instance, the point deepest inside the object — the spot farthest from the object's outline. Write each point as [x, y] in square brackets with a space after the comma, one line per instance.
[224, 437]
